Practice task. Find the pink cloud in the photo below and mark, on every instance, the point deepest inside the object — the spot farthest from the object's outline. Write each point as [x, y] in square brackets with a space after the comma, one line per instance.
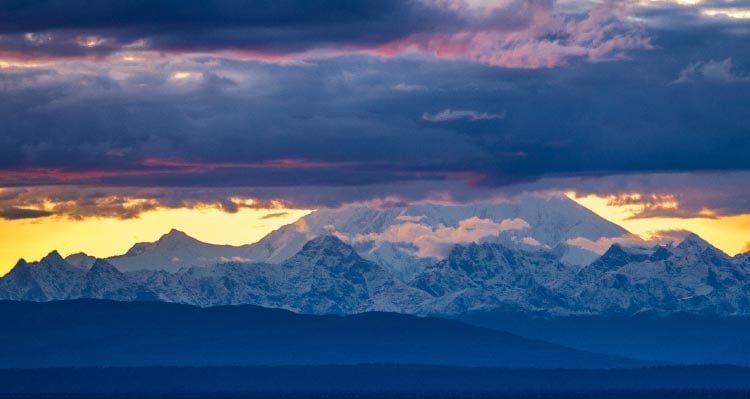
[548, 39]
[600, 246]
[437, 242]
[502, 33]
[152, 166]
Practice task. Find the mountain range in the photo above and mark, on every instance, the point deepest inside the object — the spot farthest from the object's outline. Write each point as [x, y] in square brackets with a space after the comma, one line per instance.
[517, 267]
[495, 261]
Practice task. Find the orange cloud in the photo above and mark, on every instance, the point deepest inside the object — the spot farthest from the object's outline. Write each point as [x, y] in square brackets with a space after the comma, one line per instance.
[728, 233]
[83, 202]
[437, 242]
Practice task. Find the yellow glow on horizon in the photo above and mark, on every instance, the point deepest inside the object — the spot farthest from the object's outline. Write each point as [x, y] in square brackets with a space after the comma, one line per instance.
[32, 239]
[731, 234]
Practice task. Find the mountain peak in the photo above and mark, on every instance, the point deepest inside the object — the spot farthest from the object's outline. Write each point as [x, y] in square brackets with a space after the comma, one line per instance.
[54, 258]
[660, 253]
[327, 247]
[615, 251]
[81, 260]
[616, 257]
[325, 241]
[101, 266]
[21, 263]
[174, 238]
[176, 235]
[695, 242]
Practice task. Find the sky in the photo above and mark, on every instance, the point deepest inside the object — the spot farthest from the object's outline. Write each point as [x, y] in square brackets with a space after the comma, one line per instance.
[227, 119]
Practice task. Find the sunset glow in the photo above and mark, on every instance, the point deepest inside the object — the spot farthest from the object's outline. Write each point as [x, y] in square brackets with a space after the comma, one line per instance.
[119, 122]
[32, 239]
[731, 234]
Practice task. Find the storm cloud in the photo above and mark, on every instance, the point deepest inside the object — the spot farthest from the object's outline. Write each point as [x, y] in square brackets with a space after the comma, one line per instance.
[525, 34]
[318, 103]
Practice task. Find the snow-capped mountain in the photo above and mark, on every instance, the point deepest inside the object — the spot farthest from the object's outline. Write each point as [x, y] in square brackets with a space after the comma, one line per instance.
[174, 251]
[325, 276]
[328, 276]
[490, 276]
[53, 278]
[50, 278]
[419, 259]
[403, 240]
[692, 276]
[344, 281]
[104, 281]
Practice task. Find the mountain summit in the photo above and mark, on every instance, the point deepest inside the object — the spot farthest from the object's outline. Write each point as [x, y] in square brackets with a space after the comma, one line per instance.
[176, 250]
[406, 239]
[403, 240]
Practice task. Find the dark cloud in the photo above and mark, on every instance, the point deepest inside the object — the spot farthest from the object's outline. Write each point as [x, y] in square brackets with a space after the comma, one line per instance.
[517, 33]
[21, 213]
[352, 127]
[185, 15]
[80, 202]
[65, 27]
[275, 215]
[346, 126]
[681, 195]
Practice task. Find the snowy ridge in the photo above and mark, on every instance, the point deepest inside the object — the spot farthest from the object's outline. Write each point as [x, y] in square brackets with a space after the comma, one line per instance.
[691, 277]
[53, 278]
[329, 276]
[490, 276]
[174, 251]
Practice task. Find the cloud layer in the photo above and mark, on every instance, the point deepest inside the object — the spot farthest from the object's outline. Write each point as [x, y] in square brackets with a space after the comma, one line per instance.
[437, 242]
[711, 71]
[115, 108]
[518, 34]
[449, 115]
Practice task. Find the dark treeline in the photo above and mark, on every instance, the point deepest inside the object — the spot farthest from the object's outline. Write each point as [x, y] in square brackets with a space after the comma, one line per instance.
[380, 379]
